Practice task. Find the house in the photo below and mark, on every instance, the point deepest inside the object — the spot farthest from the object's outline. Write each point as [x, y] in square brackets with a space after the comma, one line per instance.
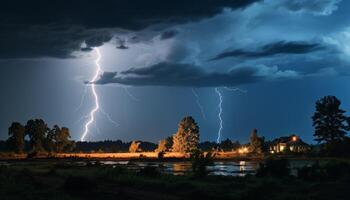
[291, 143]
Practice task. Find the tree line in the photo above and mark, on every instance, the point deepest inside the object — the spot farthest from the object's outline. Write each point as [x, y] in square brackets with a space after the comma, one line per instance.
[41, 137]
[329, 120]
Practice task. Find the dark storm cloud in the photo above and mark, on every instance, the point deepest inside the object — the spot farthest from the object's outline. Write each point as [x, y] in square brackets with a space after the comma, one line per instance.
[98, 40]
[168, 34]
[48, 41]
[317, 7]
[121, 43]
[187, 75]
[281, 47]
[86, 49]
[44, 28]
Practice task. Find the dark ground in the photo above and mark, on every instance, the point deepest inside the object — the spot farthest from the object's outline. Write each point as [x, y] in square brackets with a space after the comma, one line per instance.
[59, 180]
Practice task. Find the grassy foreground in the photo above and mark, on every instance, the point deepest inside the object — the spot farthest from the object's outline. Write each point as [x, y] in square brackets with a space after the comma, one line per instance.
[59, 180]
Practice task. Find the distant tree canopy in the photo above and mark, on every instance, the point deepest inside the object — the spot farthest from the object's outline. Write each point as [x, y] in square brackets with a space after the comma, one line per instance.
[187, 137]
[208, 146]
[329, 120]
[256, 142]
[16, 137]
[37, 130]
[135, 147]
[58, 139]
[41, 137]
[165, 145]
[228, 145]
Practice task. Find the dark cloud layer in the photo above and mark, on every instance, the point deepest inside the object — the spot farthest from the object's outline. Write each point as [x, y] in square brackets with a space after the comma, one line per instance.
[187, 75]
[57, 28]
[168, 34]
[317, 7]
[281, 47]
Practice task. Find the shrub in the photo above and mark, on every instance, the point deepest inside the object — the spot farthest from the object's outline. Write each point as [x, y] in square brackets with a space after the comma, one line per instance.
[149, 171]
[274, 167]
[111, 173]
[200, 161]
[329, 171]
[160, 155]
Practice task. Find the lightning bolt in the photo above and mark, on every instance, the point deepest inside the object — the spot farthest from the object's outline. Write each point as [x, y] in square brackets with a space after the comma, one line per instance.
[220, 107]
[219, 114]
[199, 103]
[93, 89]
[130, 95]
[236, 90]
[82, 99]
[109, 117]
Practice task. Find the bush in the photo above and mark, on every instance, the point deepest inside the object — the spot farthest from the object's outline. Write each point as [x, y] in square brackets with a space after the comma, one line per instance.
[274, 167]
[329, 171]
[160, 155]
[200, 161]
[149, 171]
[113, 172]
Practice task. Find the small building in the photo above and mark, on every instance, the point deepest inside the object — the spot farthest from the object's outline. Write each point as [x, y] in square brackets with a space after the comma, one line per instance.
[290, 143]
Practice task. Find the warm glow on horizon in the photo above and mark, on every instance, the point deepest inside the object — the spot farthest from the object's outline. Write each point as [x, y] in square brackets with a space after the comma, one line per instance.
[243, 150]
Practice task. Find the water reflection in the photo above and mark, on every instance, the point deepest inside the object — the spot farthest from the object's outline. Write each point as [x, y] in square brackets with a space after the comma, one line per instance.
[179, 168]
[223, 168]
[242, 166]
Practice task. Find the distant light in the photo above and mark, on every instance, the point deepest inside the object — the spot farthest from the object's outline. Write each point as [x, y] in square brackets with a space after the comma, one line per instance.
[243, 150]
[294, 138]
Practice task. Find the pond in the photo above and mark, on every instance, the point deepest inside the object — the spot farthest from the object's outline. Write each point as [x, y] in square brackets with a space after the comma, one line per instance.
[224, 168]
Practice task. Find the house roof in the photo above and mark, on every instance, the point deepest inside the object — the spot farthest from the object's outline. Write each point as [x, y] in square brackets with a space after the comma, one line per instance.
[289, 140]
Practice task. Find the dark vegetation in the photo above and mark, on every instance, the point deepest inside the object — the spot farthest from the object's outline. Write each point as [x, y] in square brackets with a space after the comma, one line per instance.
[51, 180]
[200, 161]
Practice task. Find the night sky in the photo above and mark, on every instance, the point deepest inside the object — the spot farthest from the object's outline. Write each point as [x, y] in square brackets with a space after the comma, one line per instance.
[161, 59]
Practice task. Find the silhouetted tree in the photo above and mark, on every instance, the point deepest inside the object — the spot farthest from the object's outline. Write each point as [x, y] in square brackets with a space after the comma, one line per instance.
[329, 120]
[256, 142]
[16, 139]
[226, 145]
[36, 130]
[50, 139]
[62, 140]
[187, 137]
[208, 146]
[59, 139]
[135, 147]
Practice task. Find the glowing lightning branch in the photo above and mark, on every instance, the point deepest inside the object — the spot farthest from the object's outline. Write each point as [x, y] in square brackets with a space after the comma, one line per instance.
[130, 95]
[92, 85]
[109, 117]
[82, 99]
[199, 103]
[219, 115]
[235, 90]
